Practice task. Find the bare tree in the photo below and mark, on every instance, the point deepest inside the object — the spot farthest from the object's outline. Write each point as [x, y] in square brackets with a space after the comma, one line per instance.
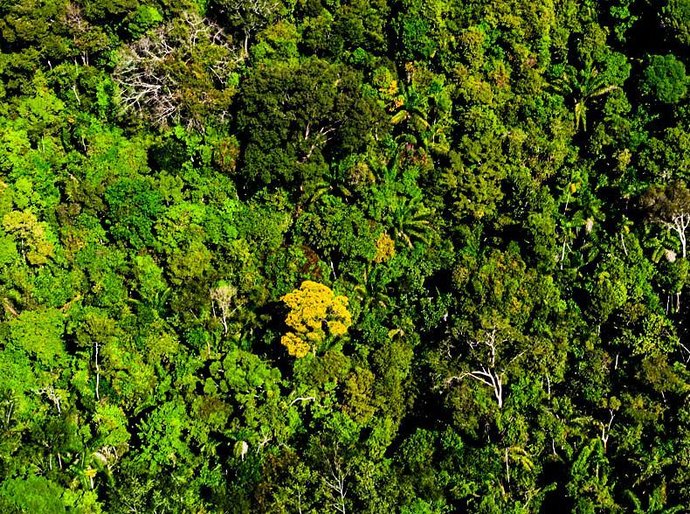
[175, 69]
[53, 396]
[335, 477]
[223, 296]
[486, 372]
[606, 429]
[98, 370]
[336, 482]
[670, 207]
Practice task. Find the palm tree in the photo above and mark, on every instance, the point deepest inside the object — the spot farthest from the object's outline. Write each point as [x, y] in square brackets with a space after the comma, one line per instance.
[411, 220]
[410, 108]
[582, 87]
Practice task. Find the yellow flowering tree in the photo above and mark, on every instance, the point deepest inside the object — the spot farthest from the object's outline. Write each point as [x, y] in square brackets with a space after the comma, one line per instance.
[315, 313]
[385, 248]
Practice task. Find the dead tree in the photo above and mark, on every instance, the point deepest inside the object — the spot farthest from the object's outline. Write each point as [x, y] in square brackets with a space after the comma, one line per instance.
[223, 297]
[174, 69]
[486, 372]
[669, 206]
[336, 482]
[335, 477]
[606, 429]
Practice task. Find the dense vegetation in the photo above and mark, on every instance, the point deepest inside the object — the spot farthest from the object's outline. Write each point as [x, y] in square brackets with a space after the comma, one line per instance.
[310, 256]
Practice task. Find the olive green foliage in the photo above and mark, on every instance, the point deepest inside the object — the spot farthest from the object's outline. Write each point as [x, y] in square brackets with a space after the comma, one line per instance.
[665, 78]
[675, 16]
[312, 256]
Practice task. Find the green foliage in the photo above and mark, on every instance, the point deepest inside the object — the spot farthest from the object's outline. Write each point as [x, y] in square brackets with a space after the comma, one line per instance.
[466, 223]
[143, 19]
[33, 494]
[675, 15]
[303, 111]
[665, 79]
[39, 334]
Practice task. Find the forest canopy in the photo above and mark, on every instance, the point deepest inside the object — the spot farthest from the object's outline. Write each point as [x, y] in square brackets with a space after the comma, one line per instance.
[349, 256]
